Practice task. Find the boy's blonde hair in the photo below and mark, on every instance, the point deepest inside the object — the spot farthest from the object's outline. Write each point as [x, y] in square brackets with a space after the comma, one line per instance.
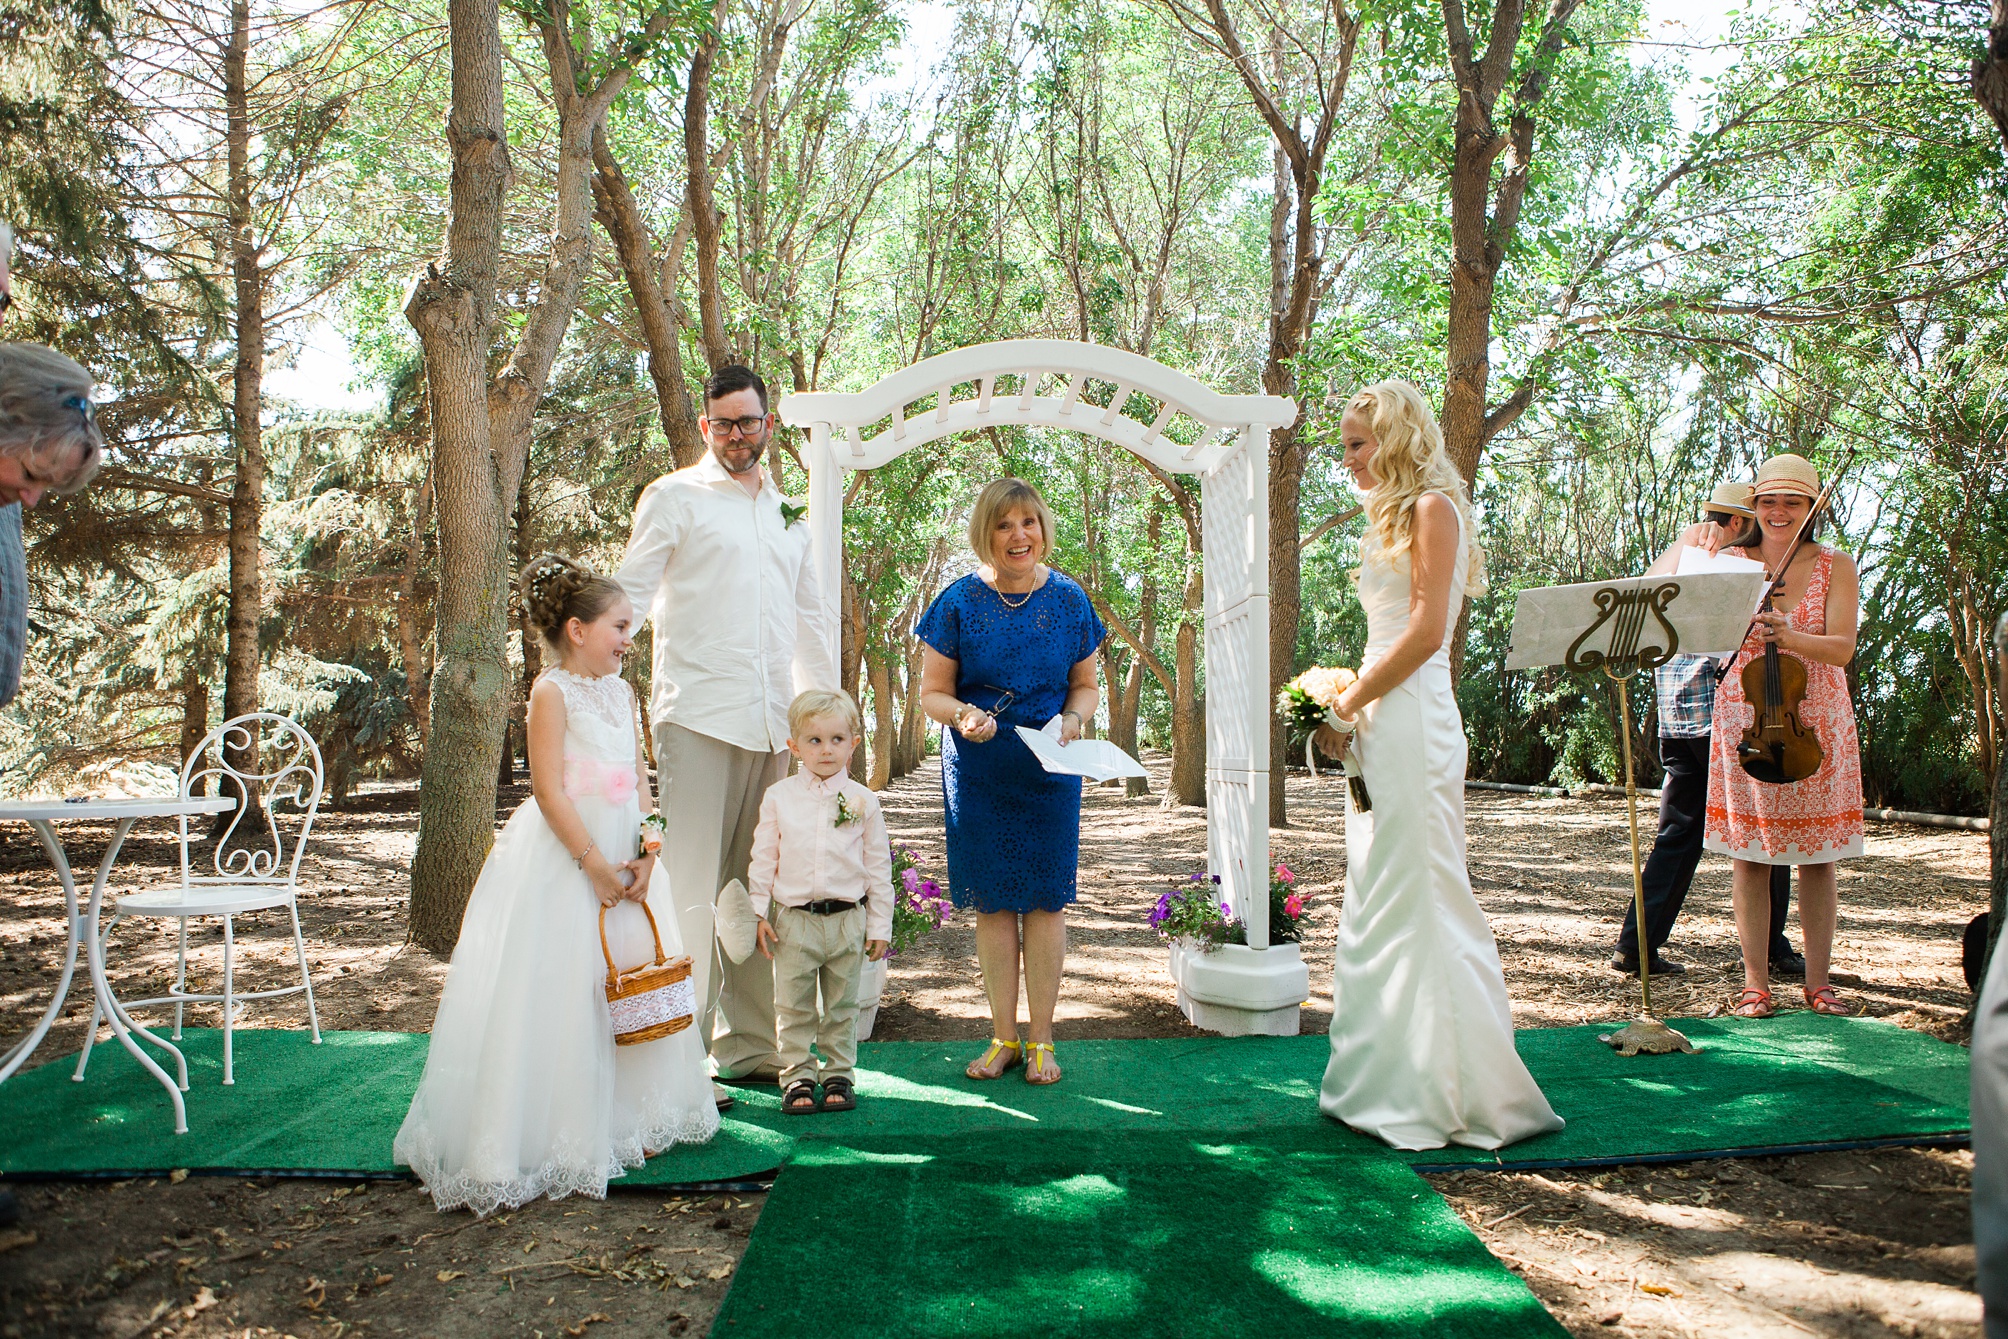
[1410, 460]
[824, 702]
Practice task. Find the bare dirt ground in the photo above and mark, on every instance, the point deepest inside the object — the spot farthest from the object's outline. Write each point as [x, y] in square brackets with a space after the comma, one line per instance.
[1845, 1244]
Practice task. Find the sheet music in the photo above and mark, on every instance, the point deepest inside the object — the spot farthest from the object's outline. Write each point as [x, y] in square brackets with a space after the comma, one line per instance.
[1095, 759]
[1694, 560]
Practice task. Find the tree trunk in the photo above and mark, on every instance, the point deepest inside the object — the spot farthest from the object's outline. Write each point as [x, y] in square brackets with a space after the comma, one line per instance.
[880, 668]
[241, 658]
[1124, 706]
[410, 634]
[452, 311]
[913, 732]
[478, 466]
[647, 281]
[1990, 70]
[1484, 218]
[703, 208]
[194, 715]
[1188, 710]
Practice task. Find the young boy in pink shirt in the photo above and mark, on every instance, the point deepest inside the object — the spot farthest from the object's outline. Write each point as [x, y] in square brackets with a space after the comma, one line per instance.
[822, 887]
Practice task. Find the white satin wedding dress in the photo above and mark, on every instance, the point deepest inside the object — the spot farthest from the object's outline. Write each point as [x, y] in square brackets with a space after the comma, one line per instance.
[525, 1093]
[1422, 1032]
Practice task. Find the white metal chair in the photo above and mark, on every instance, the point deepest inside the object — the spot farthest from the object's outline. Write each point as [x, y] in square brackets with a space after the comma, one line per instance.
[257, 865]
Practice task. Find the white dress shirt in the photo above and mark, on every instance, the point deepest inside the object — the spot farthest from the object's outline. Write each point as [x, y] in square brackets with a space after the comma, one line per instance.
[731, 590]
[802, 855]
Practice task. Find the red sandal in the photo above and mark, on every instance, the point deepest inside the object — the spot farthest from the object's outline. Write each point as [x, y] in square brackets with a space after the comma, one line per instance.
[1753, 1003]
[1825, 1001]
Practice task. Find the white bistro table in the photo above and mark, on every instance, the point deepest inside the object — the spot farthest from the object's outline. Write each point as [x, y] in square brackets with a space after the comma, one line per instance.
[43, 815]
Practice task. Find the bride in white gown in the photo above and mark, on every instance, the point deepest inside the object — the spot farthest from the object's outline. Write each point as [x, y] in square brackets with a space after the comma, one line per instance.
[1422, 1032]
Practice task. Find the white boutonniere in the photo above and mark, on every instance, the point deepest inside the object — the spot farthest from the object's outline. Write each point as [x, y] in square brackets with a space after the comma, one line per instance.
[845, 814]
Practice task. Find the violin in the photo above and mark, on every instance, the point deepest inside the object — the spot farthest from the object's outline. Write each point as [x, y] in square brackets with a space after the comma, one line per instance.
[1778, 747]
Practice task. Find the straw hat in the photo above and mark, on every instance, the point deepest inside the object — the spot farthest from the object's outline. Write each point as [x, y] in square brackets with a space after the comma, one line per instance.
[1732, 498]
[1787, 474]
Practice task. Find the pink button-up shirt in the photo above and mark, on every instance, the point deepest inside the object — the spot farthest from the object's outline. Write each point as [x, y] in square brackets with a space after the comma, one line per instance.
[801, 855]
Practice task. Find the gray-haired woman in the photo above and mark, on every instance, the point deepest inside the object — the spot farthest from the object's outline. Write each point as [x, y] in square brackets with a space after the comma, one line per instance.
[49, 443]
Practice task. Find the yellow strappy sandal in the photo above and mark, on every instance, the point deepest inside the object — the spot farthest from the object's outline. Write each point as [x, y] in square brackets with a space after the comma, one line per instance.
[1033, 1068]
[980, 1067]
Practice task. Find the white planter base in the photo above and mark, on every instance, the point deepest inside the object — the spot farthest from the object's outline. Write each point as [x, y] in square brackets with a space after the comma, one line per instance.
[1238, 991]
[1231, 1022]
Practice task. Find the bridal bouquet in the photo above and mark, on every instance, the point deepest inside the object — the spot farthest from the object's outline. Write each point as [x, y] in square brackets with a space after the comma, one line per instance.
[1311, 700]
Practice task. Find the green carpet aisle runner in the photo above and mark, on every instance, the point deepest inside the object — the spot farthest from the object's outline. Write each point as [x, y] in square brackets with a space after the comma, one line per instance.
[1022, 1233]
[1790, 1081]
[1184, 1186]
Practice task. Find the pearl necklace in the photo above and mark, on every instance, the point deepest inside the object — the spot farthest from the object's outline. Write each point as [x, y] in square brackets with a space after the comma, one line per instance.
[1023, 599]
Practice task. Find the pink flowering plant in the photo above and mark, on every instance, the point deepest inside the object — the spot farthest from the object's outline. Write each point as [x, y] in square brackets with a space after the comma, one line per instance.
[1286, 913]
[919, 905]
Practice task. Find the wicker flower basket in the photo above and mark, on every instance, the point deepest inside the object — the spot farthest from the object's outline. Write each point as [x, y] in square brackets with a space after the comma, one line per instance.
[653, 1001]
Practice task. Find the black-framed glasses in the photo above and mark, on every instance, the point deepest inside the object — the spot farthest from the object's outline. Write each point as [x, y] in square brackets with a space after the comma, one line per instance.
[1005, 697]
[723, 428]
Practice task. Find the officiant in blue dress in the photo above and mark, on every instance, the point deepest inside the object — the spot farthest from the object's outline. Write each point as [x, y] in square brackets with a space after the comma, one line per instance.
[1011, 644]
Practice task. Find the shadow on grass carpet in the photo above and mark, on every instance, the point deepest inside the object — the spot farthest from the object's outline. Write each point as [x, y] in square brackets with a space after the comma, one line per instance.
[1796, 1081]
[1026, 1233]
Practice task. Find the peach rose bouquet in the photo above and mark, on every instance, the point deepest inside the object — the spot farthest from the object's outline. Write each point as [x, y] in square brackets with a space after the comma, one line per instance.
[1309, 703]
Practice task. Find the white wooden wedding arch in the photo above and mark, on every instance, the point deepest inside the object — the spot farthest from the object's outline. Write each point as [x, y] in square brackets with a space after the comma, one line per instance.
[1092, 388]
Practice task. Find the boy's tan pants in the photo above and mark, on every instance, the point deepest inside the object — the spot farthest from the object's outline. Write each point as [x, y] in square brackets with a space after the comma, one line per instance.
[818, 956]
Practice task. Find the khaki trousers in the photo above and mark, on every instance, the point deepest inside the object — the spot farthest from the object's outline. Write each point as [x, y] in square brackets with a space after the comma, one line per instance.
[711, 794]
[818, 956]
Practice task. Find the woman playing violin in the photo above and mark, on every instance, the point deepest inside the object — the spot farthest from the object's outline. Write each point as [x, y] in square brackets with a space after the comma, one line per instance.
[1815, 821]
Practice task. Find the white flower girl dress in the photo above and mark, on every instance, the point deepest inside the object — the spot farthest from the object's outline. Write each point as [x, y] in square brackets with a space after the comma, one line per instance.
[524, 1092]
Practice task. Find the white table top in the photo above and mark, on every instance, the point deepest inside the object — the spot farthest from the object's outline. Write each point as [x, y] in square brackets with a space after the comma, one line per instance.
[151, 806]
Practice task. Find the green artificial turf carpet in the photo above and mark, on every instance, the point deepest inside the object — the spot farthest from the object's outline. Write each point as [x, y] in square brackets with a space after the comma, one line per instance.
[1787, 1082]
[1026, 1233]
[1184, 1186]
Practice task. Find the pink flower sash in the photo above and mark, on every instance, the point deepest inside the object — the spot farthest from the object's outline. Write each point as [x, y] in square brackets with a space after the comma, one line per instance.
[589, 778]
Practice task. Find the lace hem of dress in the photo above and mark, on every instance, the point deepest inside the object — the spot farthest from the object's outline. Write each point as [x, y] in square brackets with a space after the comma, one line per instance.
[568, 1172]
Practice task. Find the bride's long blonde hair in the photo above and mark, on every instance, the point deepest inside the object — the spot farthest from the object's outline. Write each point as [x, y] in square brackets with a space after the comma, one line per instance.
[1408, 461]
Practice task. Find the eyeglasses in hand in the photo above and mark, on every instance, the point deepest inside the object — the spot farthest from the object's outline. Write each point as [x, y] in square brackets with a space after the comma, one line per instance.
[1005, 697]
[723, 428]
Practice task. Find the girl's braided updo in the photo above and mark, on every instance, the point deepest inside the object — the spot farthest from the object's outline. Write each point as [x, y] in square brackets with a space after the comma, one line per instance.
[557, 590]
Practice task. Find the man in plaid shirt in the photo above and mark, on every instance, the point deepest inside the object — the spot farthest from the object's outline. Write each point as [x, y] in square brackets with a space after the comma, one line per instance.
[1684, 689]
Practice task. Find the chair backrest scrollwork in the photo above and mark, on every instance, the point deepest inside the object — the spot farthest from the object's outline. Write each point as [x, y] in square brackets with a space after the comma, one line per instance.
[272, 767]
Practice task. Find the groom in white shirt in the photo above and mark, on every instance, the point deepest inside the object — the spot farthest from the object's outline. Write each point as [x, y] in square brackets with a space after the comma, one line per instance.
[726, 579]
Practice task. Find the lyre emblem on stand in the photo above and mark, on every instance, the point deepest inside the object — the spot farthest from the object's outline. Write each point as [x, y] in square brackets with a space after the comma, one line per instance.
[1626, 611]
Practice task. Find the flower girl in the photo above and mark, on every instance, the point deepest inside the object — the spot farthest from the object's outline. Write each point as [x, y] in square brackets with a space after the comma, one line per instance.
[525, 1092]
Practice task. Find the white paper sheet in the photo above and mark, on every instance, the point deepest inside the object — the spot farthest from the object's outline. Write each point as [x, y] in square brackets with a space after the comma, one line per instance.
[1095, 759]
[1694, 560]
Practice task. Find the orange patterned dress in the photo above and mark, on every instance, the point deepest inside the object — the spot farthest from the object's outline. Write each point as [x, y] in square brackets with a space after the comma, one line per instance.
[1810, 822]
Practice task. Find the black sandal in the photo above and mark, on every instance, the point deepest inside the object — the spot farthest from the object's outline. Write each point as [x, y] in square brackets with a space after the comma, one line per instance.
[800, 1099]
[837, 1095]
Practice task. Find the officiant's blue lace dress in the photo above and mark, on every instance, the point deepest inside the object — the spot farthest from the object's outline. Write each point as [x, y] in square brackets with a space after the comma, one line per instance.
[1014, 829]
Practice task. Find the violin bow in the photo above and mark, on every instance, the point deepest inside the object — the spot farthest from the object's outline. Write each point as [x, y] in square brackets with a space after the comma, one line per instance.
[1805, 528]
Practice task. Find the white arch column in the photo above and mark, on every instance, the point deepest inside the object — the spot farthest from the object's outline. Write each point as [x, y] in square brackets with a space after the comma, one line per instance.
[1256, 988]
